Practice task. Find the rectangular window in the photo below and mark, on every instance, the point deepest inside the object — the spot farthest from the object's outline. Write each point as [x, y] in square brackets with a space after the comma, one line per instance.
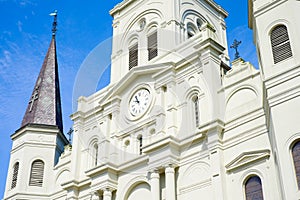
[152, 45]
[133, 56]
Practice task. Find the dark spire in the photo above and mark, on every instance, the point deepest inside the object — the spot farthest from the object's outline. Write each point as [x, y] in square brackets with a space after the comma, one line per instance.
[44, 105]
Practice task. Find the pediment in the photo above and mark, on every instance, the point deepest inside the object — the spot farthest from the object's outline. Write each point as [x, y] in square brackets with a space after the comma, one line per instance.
[247, 158]
[149, 70]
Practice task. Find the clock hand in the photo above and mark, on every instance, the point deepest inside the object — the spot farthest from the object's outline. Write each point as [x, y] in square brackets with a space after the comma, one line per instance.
[136, 100]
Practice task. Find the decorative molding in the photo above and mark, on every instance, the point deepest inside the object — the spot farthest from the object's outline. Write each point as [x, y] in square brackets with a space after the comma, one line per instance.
[247, 158]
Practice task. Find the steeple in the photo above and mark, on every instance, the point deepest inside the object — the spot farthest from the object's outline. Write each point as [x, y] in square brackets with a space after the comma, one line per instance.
[44, 106]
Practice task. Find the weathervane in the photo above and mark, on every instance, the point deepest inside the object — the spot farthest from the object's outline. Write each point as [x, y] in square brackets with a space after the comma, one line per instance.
[54, 24]
[235, 46]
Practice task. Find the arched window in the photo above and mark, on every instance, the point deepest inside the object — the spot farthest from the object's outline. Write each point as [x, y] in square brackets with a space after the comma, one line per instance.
[133, 55]
[37, 173]
[281, 46]
[296, 158]
[15, 175]
[253, 188]
[199, 23]
[152, 45]
[140, 138]
[95, 154]
[191, 30]
[196, 110]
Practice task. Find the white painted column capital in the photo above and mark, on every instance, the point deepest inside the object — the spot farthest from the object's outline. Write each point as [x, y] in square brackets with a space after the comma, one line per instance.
[169, 169]
[107, 194]
[95, 195]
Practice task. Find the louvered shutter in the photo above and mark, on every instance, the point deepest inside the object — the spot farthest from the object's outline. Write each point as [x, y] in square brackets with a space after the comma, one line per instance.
[15, 175]
[37, 173]
[196, 105]
[152, 45]
[133, 56]
[281, 46]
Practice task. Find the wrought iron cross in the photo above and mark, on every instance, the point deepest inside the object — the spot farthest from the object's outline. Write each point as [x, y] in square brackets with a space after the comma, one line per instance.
[34, 97]
[54, 24]
[70, 134]
[235, 46]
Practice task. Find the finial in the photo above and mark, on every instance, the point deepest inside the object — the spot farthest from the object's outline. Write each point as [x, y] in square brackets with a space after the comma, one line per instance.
[235, 46]
[54, 24]
[70, 134]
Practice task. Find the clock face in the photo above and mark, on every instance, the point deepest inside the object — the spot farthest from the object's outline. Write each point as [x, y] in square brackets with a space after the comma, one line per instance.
[139, 102]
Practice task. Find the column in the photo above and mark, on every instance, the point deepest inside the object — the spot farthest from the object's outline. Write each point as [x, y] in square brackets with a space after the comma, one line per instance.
[95, 195]
[155, 187]
[170, 183]
[107, 194]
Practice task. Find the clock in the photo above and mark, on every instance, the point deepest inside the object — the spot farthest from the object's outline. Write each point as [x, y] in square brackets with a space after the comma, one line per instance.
[139, 102]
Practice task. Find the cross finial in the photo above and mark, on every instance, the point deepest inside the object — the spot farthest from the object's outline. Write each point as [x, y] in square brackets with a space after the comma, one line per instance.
[54, 24]
[235, 46]
[70, 134]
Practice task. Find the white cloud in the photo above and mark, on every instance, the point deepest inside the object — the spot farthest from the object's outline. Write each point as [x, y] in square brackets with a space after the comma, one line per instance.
[19, 24]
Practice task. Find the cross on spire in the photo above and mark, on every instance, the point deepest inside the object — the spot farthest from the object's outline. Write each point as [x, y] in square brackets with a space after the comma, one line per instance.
[235, 46]
[54, 24]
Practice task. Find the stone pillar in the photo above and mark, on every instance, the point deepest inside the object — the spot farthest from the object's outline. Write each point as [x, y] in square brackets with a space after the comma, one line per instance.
[107, 194]
[170, 183]
[155, 188]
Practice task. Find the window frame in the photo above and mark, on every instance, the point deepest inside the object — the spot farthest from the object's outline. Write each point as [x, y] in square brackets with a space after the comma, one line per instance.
[281, 47]
[15, 173]
[296, 174]
[245, 186]
[133, 55]
[37, 177]
[152, 44]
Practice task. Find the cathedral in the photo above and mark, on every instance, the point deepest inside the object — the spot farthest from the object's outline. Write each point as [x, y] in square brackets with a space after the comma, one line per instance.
[178, 120]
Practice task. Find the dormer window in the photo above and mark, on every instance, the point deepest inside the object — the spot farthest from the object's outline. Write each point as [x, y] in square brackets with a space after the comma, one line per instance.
[133, 56]
[281, 47]
[152, 45]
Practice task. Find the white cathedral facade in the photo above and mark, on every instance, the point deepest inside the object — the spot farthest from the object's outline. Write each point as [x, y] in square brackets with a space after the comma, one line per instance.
[176, 122]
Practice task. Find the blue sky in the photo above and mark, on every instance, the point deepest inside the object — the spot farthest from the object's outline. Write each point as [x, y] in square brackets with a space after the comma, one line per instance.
[25, 34]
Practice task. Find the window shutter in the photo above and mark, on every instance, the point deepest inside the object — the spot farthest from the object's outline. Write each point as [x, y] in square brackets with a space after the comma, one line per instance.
[133, 56]
[96, 149]
[37, 173]
[296, 158]
[281, 46]
[152, 45]
[253, 188]
[15, 175]
[140, 138]
[196, 105]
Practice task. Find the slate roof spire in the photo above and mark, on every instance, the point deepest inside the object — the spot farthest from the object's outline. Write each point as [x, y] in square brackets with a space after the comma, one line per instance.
[44, 106]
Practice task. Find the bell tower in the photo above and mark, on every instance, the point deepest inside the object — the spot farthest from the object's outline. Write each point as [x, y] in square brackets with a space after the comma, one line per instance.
[39, 142]
[145, 32]
[276, 30]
